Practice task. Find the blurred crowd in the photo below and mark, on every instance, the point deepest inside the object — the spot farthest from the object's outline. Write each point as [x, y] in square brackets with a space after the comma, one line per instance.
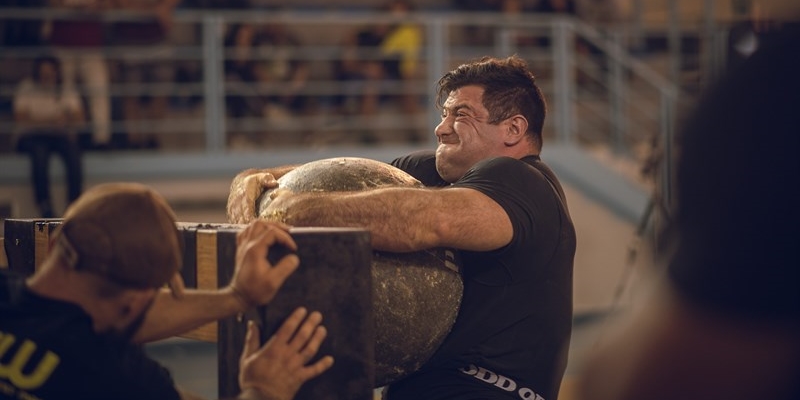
[128, 78]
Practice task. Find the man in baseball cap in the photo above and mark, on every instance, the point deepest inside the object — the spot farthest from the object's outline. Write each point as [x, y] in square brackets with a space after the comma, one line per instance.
[125, 232]
[68, 331]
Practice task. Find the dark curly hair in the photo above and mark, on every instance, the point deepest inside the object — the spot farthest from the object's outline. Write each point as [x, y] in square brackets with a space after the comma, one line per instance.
[509, 89]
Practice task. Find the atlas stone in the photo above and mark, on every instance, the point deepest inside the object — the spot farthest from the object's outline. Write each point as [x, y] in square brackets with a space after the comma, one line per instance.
[416, 295]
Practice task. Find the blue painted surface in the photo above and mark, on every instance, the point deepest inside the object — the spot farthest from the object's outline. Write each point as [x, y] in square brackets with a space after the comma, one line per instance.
[573, 166]
[596, 181]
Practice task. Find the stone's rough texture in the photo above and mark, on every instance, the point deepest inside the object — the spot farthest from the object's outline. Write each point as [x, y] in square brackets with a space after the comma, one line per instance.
[338, 175]
[416, 296]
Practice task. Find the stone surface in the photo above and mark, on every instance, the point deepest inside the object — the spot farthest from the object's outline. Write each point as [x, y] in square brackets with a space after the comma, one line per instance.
[416, 296]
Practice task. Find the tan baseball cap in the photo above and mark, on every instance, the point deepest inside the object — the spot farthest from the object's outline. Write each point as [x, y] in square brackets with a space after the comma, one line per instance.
[124, 231]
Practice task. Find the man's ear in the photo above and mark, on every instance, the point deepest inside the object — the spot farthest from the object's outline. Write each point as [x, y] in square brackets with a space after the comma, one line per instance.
[516, 128]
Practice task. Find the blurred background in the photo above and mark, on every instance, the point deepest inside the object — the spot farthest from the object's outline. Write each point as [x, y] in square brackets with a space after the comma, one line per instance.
[183, 94]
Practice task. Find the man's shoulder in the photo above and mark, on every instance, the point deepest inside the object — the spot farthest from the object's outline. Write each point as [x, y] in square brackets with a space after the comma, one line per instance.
[502, 165]
[422, 166]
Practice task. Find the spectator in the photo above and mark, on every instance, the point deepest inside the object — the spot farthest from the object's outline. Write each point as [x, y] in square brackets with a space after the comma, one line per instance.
[47, 115]
[283, 67]
[376, 57]
[403, 43]
[78, 44]
[145, 67]
[241, 98]
[265, 78]
[99, 289]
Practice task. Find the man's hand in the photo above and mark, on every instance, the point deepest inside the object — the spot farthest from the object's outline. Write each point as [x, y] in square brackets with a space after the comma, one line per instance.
[255, 281]
[246, 187]
[278, 369]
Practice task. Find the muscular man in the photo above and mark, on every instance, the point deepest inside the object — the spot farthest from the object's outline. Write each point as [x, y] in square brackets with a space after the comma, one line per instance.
[490, 196]
[66, 331]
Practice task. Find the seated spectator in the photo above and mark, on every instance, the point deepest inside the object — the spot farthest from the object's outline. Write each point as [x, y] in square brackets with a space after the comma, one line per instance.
[375, 59]
[281, 66]
[402, 46]
[148, 67]
[264, 79]
[78, 44]
[47, 115]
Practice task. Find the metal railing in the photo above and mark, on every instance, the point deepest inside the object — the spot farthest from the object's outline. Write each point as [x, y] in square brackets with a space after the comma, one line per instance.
[626, 117]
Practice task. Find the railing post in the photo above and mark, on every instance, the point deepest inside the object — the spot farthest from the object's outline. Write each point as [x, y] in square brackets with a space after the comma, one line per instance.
[213, 91]
[637, 29]
[617, 96]
[668, 104]
[562, 78]
[504, 41]
[438, 58]
[674, 42]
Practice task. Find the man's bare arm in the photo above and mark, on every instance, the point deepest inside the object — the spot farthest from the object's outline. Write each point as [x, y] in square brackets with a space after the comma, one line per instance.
[405, 219]
[255, 282]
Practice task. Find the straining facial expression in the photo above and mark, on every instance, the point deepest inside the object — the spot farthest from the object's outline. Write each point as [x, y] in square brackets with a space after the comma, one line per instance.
[465, 135]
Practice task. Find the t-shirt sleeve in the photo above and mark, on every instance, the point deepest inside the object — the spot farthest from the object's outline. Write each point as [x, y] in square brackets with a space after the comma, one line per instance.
[422, 166]
[521, 190]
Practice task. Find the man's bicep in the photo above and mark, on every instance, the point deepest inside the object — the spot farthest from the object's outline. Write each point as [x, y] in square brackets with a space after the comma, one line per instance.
[473, 221]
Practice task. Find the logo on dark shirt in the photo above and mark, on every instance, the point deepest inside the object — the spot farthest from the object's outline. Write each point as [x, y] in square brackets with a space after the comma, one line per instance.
[501, 382]
[13, 364]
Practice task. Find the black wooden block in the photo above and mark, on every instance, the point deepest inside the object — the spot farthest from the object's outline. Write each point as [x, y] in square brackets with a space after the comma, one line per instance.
[334, 278]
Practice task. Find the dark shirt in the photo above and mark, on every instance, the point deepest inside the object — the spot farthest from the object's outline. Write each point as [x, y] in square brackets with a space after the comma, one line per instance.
[49, 350]
[511, 336]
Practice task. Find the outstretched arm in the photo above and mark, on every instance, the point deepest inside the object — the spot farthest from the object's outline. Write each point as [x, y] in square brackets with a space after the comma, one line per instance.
[255, 282]
[246, 187]
[404, 219]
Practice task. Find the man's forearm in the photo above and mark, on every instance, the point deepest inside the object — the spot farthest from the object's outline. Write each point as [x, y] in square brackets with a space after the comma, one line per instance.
[404, 219]
[170, 316]
[398, 220]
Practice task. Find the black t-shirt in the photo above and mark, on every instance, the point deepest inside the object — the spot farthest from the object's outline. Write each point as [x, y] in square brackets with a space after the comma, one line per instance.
[49, 350]
[738, 215]
[511, 336]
